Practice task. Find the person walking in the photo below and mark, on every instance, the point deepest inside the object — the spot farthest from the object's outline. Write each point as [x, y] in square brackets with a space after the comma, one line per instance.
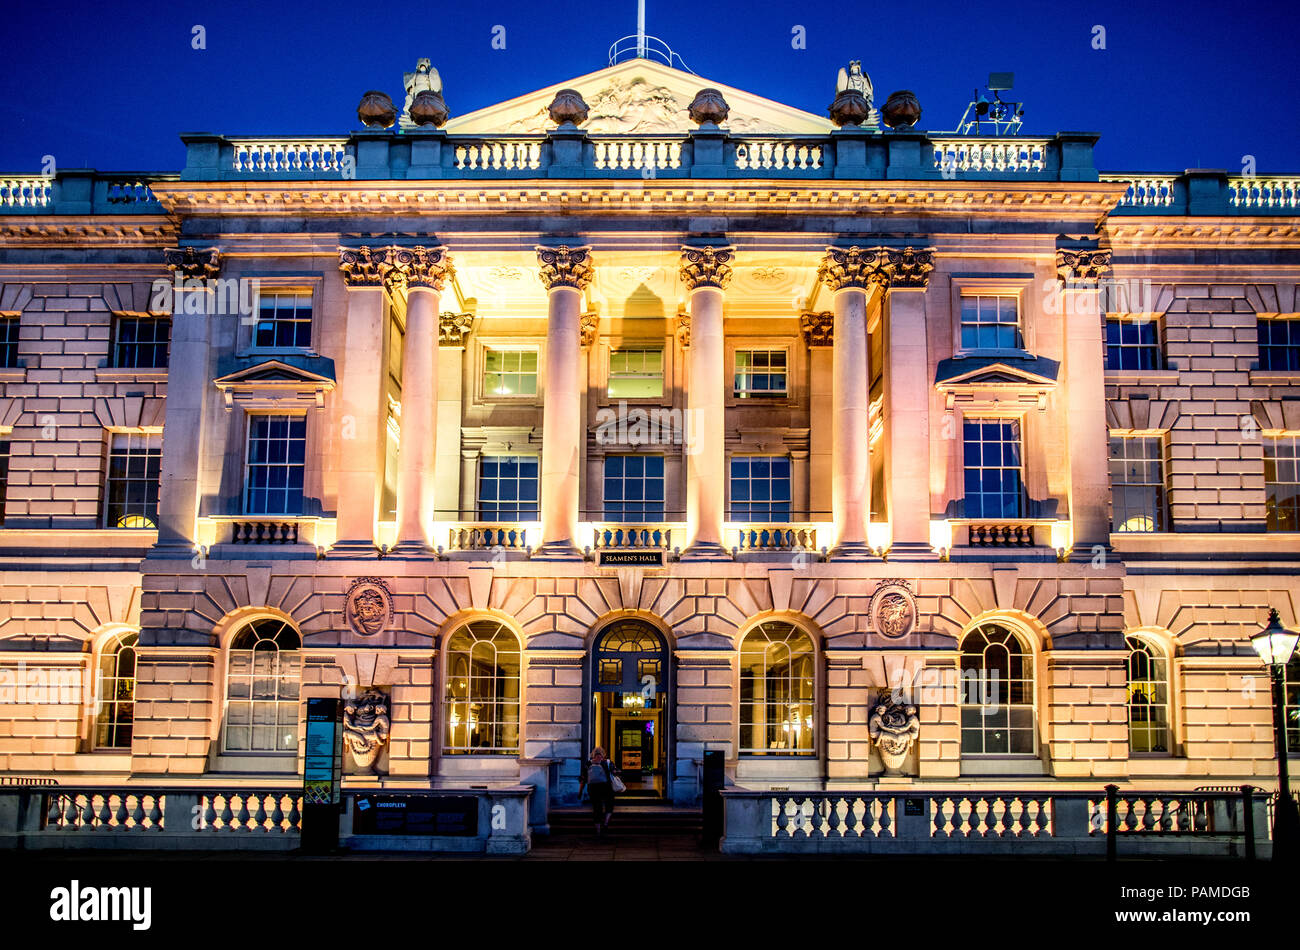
[599, 781]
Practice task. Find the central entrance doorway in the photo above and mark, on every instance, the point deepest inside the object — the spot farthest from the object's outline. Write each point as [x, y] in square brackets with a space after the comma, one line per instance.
[629, 704]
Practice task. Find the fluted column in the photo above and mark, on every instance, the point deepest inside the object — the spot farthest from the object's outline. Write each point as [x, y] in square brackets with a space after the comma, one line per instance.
[565, 272]
[850, 273]
[907, 403]
[1080, 272]
[705, 271]
[423, 270]
[189, 374]
[364, 272]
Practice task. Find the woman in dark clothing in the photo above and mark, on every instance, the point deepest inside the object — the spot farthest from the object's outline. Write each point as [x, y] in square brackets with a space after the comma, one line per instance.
[599, 780]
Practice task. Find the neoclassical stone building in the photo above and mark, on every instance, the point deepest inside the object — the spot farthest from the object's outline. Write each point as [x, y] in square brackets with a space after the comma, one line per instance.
[860, 454]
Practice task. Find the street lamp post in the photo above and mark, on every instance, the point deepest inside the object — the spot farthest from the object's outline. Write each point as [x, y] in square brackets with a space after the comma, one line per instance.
[1275, 645]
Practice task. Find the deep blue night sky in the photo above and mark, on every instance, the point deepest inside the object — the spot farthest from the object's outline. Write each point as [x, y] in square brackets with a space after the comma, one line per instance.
[1179, 85]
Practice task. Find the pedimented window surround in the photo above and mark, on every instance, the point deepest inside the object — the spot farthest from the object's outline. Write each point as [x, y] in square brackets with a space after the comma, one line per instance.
[274, 386]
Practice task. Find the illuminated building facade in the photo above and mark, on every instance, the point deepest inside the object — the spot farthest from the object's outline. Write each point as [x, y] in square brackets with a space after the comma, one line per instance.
[862, 455]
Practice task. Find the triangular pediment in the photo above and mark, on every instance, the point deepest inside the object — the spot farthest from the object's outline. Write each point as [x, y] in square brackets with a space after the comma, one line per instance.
[273, 372]
[1035, 372]
[639, 96]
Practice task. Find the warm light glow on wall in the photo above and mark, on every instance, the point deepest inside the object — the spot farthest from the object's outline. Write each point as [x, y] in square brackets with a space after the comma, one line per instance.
[941, 535]
[1062, 536]
[879, 535]
[205, 533]
[387, 534]
[440, 535]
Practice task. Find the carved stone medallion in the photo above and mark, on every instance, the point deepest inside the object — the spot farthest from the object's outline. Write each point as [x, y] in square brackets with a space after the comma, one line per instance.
[893, 609]
[369, 606]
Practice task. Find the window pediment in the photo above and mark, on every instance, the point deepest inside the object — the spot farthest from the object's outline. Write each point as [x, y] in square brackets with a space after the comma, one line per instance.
[977, 382]
[277, 385]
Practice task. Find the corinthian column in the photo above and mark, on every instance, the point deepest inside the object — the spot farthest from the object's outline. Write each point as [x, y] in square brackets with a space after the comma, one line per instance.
[850, 273]
[1080, 272]
[424, 270]
[189, 373]
[705, 271]
[907, 403]
[565, 272]
[359, 459]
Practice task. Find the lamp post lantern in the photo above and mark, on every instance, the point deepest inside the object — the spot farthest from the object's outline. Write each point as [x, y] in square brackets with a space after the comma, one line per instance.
[1275, 645]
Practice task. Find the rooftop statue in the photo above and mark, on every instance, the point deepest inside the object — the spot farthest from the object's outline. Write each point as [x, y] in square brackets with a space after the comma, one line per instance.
[854, 78]
[424, 79]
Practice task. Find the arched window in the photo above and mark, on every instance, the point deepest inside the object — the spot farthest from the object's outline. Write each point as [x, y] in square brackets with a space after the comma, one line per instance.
[481, 696]
[1291, 707]
[997, 693]
[777, 661]
[116, 692]
[263, 671]
[1148, 697]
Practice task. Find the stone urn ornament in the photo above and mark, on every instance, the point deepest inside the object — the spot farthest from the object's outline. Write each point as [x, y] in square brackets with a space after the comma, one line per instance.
[376, 110]
[366, 727]
[893, 727]
[902, 110]
[429, 109]
[850, 108]
[708, 108]
[568, 108]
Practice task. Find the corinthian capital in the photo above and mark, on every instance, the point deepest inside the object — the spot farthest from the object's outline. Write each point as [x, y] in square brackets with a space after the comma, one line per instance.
[706, 266]
[818, 328]
[420, 266]
[1081, 266]
[363, 266]
[193, 262]
[853, 267]
[453, 328]
[565, 266]
[909, 267]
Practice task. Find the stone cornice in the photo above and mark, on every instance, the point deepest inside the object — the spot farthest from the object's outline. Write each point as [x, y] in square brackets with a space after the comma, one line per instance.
[706, 266]
[84, 232]
[1181, 232]
[564, 266]
[1043, 200]
[193, 262]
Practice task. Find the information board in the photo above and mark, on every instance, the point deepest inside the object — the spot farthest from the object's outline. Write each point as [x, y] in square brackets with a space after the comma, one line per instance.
[322, 775]
[445, 815]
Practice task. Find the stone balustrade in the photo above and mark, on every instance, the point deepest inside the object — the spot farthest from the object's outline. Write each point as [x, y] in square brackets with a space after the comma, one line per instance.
[766, 155]
[630, 537]
[496, 155]
[751, 538]
[1145, 191]
[289, 155]
[1265, 192]
[714, 154]
[487, 536]
[1231, 823]
[233, 817]
[25, 191]
[640, 154]
[1008, 155]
